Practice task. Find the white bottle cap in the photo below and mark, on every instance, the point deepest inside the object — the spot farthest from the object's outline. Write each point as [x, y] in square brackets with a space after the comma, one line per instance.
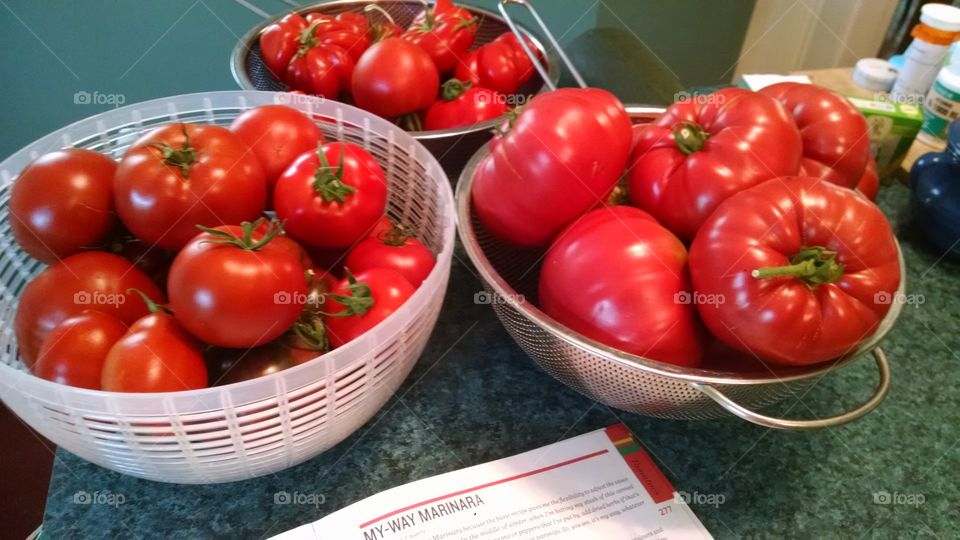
[941, 16]
[875, 74]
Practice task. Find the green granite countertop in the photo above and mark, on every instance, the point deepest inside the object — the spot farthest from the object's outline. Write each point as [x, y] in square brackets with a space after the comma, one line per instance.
[475, 396]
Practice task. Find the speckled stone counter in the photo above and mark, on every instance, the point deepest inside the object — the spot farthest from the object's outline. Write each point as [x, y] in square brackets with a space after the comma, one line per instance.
[475, 396]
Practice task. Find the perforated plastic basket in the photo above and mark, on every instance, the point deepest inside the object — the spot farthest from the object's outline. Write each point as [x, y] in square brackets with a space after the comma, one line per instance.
[254, 427]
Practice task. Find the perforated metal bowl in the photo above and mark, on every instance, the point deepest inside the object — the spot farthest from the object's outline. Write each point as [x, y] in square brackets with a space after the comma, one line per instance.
[452, 147]
[632, 383]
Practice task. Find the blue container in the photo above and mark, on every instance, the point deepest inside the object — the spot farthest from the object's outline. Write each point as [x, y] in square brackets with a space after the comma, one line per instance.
[935, 181]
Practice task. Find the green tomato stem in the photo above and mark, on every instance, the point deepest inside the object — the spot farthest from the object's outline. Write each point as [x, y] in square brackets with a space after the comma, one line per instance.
[689, 137]
[812, 265]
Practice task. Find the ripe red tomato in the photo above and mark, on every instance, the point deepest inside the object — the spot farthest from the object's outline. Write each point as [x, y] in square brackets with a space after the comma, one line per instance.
[836, 144]
[393, 78]
[183, 175]
[497, 69]
[232, 286]
[808, 269]
[463, 104]
[62, 203]
[92, 280]
[620, 278]
[522, 62]
[228, 366]
[332, 197]
[869, 183]
[349, 30]
[324, 70]
[444, 35]
[277, 135]
[361, 302]
[701, 151]
[381, 228]
[395, 250]
[279, 42]
[562, 156]
[466, 68]
[155, 355]
[74, 352]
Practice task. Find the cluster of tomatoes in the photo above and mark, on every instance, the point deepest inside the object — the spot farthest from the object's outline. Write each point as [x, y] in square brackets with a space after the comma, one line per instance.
[396, 73]
[732, 229]
[186, 209]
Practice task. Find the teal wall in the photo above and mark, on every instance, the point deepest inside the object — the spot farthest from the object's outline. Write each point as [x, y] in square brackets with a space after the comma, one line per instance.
[143, 49]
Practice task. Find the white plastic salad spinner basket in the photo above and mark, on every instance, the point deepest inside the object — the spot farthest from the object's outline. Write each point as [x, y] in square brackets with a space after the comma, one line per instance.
[254, 427]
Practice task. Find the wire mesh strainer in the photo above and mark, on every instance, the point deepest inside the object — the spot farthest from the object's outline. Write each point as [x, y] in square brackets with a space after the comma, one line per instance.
[262, 425]
[629, 382]
[453, 147]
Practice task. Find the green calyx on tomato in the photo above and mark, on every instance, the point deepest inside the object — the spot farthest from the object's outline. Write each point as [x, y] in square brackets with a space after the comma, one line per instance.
[311, 334]
[328, 179]
[152, 306]
[689, 137]
[813, 265]
[395, 236]
[454, 88]
[358, 302]
[182, 157]
[246, 241]
[381, 31]
[507, 125]
[308, 40]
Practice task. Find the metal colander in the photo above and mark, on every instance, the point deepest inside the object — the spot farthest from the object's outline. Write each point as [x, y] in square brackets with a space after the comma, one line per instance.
[452, 147]
[624, 381]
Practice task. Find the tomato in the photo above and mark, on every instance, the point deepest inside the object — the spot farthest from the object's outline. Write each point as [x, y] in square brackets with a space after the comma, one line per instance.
[808, 269]
[869, 183]
[92, 280]
[618, 277]
[396, 250]
[836, 145]
[279, 42]
[76, 349]
[444, 35]
[183, 175]
[361, 302]
[466, 69]
[154, 262]
[324, 70]
[463, 104]
[232, 286]
[394, 78]
[523, 64]
[228, 366]
[381, 227]
[332, 197]
[562, 156]
[497, 69]
[155, 355]
[277, 135]
[348, 30]
[62, 203]
[701, 151]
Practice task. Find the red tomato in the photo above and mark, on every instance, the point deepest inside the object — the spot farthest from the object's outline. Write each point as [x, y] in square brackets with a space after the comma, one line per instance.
[332, 197]
[808, 269]
[462, 104]
[183, 175]
[62, 203]
[524, 66]
[394, 250]
[466, 69]
[279, 42]
[393, 78]
[361, 302]
[562, 156]
[228, 366]
[618, 277]
[348, 30]
[324, 70]
[92, 280]
[76, 349]
[701, 151]
[155, 355]
[232, 286]
[836, 144]
[381, 228]
[444, 35]
[497, 69]
[869, 183]
[277, 135]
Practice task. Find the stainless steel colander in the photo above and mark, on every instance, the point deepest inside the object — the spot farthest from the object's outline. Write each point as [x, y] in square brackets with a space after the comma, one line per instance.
[632, 383]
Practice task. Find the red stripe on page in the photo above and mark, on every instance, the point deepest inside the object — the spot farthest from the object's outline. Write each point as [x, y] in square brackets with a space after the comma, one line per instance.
[482, 486]
[652, 478]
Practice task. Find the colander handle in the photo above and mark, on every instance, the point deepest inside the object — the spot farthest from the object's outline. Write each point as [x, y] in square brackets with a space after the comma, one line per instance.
[546, 31]
[782, 423]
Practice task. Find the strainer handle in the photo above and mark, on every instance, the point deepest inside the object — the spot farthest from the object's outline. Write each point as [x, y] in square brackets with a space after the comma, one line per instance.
[546, 31]
[782, 423]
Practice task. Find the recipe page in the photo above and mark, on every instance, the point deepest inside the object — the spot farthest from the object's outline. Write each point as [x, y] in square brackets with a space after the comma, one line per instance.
[597, 485]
